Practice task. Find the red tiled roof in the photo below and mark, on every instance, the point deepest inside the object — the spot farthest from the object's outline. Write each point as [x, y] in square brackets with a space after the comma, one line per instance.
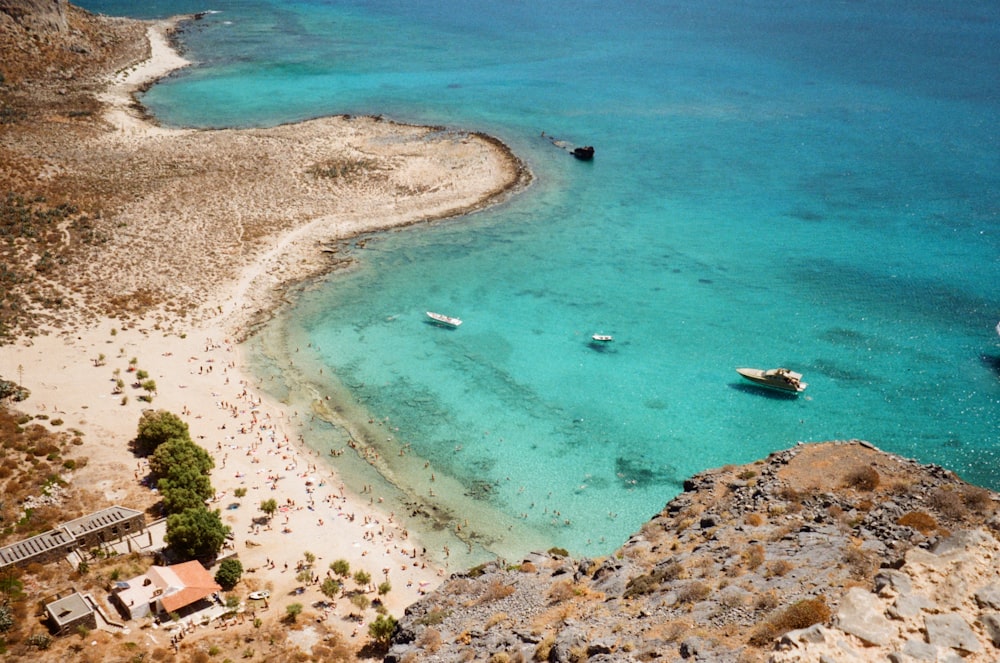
[197, 583]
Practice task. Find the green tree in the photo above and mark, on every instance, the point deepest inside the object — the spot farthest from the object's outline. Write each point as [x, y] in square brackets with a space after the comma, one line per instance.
[309, 557]
[341, 567]
[382, 628]
[384, 588]
[157, 427]
[177, 453]
[330, 588]
[177, 499]
[229, 573]
[184, 487]
[269, 506]
[362, 578]
[361, 601]
[196, 533]
[292, 611]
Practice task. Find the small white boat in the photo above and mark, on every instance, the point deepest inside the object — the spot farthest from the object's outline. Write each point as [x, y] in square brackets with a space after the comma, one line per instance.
[603, 338]
[444, 320]
[775, 378]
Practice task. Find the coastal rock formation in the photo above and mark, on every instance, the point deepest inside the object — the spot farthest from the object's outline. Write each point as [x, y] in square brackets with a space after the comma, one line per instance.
[37, 15]
[833, 551]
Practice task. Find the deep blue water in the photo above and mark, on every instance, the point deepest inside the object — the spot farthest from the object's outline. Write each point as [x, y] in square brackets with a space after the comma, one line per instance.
[809, 184]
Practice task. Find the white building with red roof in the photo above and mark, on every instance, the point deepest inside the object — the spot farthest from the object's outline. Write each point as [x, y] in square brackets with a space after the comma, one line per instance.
[165, 589]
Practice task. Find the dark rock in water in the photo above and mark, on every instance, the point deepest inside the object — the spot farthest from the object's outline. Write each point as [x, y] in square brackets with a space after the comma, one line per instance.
[584, 153]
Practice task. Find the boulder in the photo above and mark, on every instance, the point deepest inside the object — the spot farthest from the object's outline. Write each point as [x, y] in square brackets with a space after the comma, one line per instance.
[989, 597]
[951, 631]
[861, 615]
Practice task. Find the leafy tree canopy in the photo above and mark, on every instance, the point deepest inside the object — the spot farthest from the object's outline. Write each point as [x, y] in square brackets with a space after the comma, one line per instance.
[196, 533]
[179, 499]
[229, 573]
[382, 628]
[157, 427]
[177, 453]
[187, 477]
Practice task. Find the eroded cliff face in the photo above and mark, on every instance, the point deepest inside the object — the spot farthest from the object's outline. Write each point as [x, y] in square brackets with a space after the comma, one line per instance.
[37, 15]
[821, 548]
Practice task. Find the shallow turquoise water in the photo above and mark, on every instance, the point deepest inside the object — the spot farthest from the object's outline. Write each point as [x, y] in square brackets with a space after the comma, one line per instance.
[813, 185]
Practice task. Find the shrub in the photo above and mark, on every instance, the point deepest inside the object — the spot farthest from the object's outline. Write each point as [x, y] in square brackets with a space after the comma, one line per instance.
[433, 617]
[862, 563]
[754, 556]
[978, 500]
[948, 502]
[779, 567]
[918, 520]
[801, 614]
[495, 591]
[693, 592]
[862, 478]
[754, 519]
[559, 552]
[430, 640]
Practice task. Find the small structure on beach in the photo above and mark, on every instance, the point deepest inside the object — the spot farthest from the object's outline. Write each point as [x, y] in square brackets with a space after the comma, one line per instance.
[164, 589]
[90, 531]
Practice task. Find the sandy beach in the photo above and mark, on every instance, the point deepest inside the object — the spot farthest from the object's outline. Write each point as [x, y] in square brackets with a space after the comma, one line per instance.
[212, 227]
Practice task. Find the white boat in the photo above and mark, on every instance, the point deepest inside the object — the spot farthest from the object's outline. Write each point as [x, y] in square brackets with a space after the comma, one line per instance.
[603, 338]
[775, 378]
[445, 320]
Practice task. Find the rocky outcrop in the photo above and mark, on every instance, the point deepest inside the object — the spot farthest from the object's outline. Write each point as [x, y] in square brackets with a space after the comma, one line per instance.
[37, 15]
[833, 551]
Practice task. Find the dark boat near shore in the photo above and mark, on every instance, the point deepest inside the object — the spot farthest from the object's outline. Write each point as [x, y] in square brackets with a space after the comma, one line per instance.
[584, 153]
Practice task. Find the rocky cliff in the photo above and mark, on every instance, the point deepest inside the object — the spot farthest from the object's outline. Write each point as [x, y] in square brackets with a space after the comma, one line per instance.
[37, 15]
[825, 552]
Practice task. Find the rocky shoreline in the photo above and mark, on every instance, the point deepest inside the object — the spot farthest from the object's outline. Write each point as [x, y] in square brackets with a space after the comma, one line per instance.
[823, 552]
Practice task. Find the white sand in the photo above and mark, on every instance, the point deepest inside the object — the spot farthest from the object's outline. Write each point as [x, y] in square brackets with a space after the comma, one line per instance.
[197, 365]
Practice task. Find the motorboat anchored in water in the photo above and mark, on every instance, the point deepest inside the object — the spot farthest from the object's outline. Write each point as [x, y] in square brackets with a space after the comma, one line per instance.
[775, 378]
[602, 338]
[444, 320]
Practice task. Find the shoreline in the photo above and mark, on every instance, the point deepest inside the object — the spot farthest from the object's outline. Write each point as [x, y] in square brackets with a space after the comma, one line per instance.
[199, 364]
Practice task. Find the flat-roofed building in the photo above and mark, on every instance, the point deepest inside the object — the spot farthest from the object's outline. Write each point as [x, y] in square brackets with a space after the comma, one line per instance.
[70, 612]
[90, 531]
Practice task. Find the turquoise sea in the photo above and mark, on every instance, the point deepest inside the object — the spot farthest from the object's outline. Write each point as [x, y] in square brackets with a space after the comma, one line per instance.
[805, 184]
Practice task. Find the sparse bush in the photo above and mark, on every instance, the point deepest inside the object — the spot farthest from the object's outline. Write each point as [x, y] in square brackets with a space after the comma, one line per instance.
[559, 552]
[861, 563]
[801, 614]
[978, 500]
[949, 503]
[766, 602]
[497, 618]
[754, 556]
[862, 478]
[544, 648]
[920, 521]
[433, 617]
[495, 591]
[693, 592]
[429, 640]
[779, 567]
[754, 519]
